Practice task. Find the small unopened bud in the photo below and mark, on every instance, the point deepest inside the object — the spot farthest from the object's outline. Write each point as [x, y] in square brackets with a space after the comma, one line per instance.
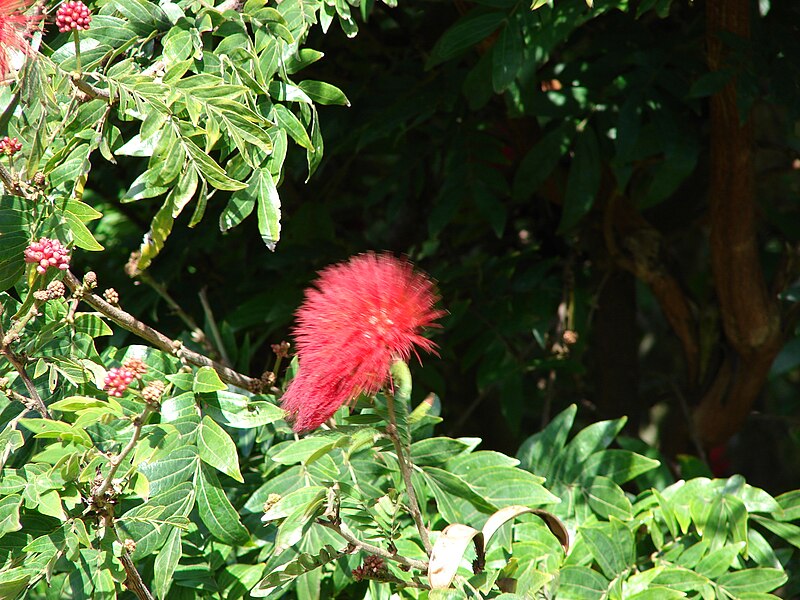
[271, 501]
[39, 179]
[90, 280]
[570, 337]
[129, 545]
[132, 266]
[56, 289]
[136, 366]
[281, 350]
[111, 296]
[153, 391]
[373, 567]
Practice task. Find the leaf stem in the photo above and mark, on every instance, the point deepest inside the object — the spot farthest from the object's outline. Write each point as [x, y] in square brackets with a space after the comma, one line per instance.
[159, 340]
[116, 461]
[134, 581]
[348, 536]
[8, 338]
[402, 378]
[76, 38]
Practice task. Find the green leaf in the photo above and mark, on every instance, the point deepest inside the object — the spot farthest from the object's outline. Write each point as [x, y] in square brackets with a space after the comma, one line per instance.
[607, 499]
[82, 211]
[92, 325]
[472, 28]
[586, 442]
[9, 514]
[294, 501]
[240, 205]
[301, 450]
[618, 465]
[611, 545]
[537, 453]
[81, 235]
[175, 468]
[436, 451]
[581, 583]
[715, 563]
[323, 93]
[505, 486]
[165, 563]
[217, 449]
[285, 574]
[458, 487]
[291, 124]
[210, 170]
[160, 228]
[583, 181]
[759, 579]
[13, 241]
[269, 207]
[207, 380]
[150, 523]
[216, 511]
[788, 531]
[183, 192]
[235, 410]
[507, 56]
[50, 429]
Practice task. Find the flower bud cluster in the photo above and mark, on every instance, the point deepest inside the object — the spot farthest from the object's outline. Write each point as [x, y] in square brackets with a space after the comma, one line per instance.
[10, 146]
[153, 391]
[111, 296]
[73, 15]
[137, 366]
[373, 567]
[47, 253]
[55, 289]
[117, 380]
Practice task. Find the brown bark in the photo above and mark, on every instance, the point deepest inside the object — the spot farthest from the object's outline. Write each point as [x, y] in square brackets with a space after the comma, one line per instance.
[750, 314]
[751, 334]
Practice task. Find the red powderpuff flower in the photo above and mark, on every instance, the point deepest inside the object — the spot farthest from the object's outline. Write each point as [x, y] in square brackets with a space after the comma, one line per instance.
[15, 28]
[360, 316]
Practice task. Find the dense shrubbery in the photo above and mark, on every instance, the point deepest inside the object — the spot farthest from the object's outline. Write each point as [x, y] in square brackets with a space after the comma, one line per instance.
[165, 470]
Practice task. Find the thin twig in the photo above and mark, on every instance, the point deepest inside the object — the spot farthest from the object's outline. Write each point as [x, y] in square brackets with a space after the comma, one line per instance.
[90, 90]
[405, 469]
[197, 334]
[134, 581]
[159, 340]
[212, 323]
[347, 535]
[388, 578]
[116, 461]
[36, 400]
[9, 183]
